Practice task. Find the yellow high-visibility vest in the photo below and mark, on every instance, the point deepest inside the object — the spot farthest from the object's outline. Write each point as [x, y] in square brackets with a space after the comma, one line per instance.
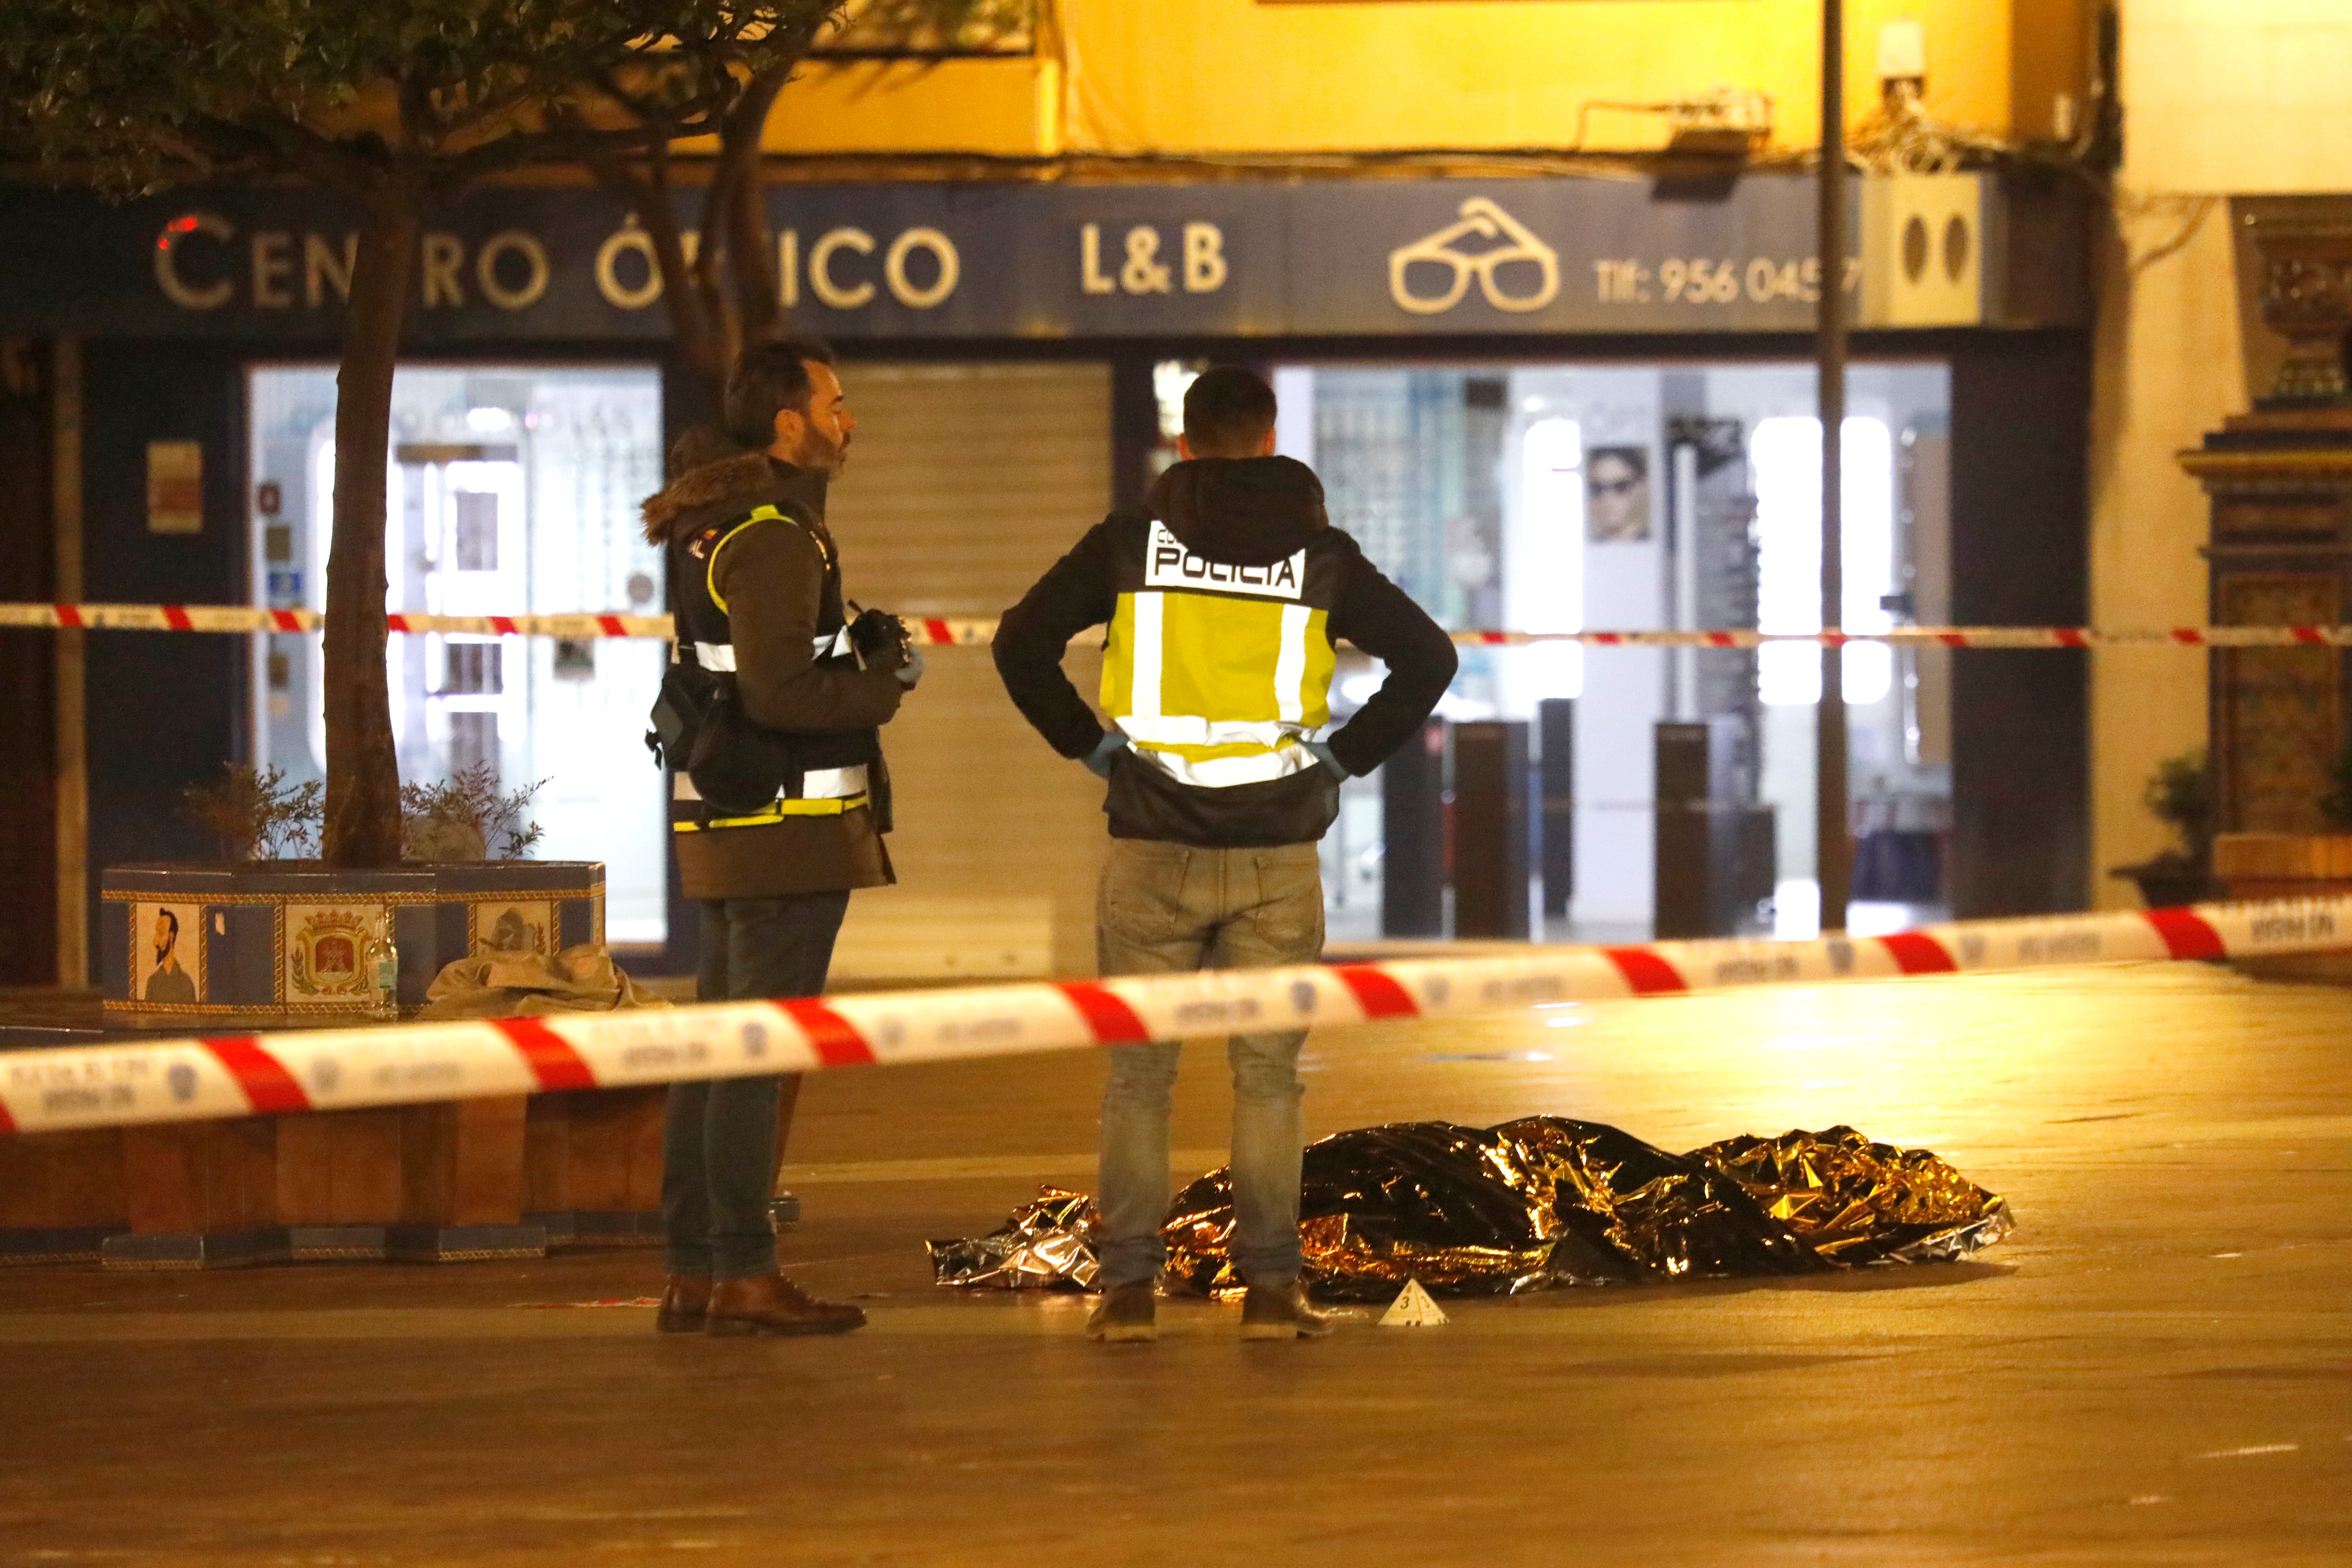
[1217, 672]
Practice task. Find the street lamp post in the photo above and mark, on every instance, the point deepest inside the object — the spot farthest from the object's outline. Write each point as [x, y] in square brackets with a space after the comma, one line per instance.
[1833, 863]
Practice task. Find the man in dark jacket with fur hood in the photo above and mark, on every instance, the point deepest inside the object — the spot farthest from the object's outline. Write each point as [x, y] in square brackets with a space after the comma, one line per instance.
[1223, 599]
[755, 585]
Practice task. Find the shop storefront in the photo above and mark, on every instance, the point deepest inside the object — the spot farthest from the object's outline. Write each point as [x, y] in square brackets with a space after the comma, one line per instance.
[1540, 403]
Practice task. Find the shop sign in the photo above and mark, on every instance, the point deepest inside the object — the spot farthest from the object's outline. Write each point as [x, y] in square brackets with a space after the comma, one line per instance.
[973, 261]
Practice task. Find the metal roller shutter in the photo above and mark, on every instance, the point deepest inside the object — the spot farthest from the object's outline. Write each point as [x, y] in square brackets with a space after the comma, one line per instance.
[966, 482]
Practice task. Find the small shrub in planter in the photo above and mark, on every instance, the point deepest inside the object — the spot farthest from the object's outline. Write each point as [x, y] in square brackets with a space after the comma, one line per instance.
[464, 817]
[257, 815]
[2180, 794]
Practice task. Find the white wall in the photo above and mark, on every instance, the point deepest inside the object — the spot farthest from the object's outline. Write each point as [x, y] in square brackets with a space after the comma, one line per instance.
[2167, 370]
[2243, 97]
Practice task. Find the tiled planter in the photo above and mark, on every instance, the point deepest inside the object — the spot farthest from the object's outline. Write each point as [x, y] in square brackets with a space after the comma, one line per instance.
[62, 1195]
[291, 945]
[2165, 884]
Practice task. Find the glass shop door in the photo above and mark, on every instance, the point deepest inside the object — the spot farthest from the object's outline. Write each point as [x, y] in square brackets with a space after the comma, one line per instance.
[512, 489]
[457, 548]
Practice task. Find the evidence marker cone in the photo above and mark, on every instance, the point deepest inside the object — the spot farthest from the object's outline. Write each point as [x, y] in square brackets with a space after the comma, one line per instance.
[1412, 1309]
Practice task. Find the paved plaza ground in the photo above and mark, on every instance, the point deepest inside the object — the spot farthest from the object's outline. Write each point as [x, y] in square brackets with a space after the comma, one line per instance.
[2155, 1369]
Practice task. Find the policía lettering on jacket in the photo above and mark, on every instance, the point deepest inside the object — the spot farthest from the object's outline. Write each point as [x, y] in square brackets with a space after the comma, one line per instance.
[1168, 564]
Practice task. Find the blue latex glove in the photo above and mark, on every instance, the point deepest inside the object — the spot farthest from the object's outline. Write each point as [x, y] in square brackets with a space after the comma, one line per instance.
[1098, 761]
[1322, 754]
[912, 670]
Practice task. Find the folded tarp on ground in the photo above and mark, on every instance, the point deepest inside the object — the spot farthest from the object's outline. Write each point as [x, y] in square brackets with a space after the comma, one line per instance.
[519, 982]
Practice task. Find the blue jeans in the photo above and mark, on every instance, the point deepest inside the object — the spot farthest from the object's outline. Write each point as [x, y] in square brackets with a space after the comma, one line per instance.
[1163, 908]
[721, 1145]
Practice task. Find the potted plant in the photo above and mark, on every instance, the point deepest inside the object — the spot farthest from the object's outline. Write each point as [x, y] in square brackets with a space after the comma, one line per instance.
[268, 937]
[2180, 794]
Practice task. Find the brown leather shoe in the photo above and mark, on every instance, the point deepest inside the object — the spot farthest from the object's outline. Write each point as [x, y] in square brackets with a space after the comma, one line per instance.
[769, 1303]
[686, 1301]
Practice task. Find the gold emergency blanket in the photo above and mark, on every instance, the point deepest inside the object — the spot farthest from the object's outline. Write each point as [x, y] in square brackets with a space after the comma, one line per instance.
[1535, 1203]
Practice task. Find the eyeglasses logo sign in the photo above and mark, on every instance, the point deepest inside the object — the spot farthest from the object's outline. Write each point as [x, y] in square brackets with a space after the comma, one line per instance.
[1517, 249]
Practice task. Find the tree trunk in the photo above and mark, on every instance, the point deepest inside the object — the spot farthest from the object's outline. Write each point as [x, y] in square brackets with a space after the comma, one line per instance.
[751, 261]
[362, 817]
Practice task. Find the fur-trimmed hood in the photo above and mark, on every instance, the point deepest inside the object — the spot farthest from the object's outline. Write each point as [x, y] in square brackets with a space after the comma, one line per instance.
[730, 486]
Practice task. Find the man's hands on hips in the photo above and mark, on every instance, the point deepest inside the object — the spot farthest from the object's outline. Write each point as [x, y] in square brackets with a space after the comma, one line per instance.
[1098, 760]
[1323, 753]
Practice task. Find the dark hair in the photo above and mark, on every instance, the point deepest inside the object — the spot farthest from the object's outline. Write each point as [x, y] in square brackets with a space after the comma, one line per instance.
[174, 920]
[1227, 411]
[768, 378]
[1637, 458]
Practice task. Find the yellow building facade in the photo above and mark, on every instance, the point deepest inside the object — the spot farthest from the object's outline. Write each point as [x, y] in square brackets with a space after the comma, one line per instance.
[1275, 76]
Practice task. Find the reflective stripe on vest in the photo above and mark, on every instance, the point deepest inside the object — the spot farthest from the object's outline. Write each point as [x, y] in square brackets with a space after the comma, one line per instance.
[721, 655]
[776, 811]
[1218, 689]
[757, 515]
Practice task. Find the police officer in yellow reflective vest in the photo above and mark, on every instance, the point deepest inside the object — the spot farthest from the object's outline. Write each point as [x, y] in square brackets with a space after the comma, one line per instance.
[1224, 598]
[768, 719]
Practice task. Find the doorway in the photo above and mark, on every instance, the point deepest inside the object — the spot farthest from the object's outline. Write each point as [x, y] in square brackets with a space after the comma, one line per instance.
[513, 489]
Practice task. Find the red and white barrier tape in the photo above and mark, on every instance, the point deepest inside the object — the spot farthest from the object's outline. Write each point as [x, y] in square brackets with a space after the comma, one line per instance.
[245, 618]
[963, 632]
[325, 1070]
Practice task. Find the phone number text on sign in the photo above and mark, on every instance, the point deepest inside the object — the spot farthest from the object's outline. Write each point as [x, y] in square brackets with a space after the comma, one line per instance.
[1704, 280]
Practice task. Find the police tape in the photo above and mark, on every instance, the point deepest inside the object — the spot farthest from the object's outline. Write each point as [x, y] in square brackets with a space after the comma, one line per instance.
[340, 1068]
[967, 632]
[245, 618]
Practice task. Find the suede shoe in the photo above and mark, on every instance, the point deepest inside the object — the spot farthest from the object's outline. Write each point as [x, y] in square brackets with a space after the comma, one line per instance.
[1126, 1315]
[772, 1304]
[1280, 1311]
[684, 1303]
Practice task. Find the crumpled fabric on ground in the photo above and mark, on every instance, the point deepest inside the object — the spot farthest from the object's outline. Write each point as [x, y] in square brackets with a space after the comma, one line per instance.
[1541, 1202]
[509, 982]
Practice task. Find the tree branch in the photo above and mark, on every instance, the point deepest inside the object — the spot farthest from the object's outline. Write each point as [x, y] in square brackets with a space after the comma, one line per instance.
[751, 261]
[302, 151]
